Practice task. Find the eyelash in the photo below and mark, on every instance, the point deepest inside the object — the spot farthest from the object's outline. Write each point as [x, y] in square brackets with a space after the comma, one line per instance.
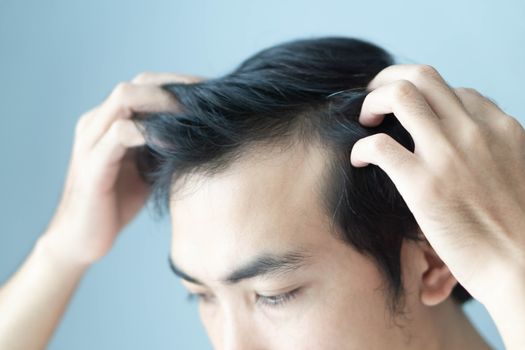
[269, 301]
[277, 300]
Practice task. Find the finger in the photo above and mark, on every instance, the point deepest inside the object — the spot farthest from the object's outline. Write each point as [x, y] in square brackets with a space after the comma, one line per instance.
[160, 78]
[403, 99]
[81, 124]
[111, 149]
[125, 100]
[439, 95]
[154, 78]
[396, 161]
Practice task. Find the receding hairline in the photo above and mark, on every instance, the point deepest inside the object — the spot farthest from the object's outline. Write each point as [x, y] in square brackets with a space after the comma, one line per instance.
[303, 137]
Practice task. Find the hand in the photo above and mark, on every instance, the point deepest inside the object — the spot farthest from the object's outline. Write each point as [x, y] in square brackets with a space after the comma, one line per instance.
[103, 190]
[465, 181]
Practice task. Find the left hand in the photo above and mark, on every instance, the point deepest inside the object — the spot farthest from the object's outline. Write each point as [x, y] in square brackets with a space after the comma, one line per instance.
[103, 190]
[465, 181]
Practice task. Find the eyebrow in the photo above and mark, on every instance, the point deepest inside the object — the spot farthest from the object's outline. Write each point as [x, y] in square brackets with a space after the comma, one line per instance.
[266, 264]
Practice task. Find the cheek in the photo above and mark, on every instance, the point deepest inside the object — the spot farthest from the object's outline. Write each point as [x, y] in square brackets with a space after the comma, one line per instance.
[338, 316]
[344, 317]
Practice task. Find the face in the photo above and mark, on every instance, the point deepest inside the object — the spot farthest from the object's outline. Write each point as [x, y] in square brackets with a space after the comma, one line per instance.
[254, 244]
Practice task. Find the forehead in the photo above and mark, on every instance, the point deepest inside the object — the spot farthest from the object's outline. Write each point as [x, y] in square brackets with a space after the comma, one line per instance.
[268, 200]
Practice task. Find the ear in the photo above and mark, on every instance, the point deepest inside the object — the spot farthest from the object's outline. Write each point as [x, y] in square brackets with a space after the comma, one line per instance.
[437, 281]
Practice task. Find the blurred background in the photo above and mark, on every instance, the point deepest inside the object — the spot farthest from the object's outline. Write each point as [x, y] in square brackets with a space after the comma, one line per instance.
[60, 58]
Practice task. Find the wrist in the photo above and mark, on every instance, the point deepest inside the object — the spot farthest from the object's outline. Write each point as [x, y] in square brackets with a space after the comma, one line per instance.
[502, 274]
[56, 254]
[506, 307]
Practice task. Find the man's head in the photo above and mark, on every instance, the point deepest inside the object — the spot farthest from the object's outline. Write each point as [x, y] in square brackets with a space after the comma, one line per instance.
[255, 170]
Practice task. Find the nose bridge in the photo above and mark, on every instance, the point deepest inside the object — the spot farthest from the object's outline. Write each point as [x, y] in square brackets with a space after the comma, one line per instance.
[239, 332]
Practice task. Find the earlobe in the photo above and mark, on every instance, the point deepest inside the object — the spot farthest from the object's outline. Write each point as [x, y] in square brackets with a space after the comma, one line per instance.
[437, 284]
[437, 281]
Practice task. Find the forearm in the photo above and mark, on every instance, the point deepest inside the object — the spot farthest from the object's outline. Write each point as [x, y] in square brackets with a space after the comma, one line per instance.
[33, 301]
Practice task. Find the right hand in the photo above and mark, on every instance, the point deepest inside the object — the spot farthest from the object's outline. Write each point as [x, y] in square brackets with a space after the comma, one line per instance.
[103, 190]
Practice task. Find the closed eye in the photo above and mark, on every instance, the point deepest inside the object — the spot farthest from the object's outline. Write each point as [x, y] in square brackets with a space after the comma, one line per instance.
[277, 300]
[264, 300]
[190, 297]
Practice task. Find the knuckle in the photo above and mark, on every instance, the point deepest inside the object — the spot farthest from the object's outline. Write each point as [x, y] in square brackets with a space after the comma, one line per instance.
[404, 89]
[121, 96]
[490, 101]
[81, 123]
[426, 71]
[379, 142]
[474, 101]
[118, 128]
[142, 78]
[510, 123]
[121, 89]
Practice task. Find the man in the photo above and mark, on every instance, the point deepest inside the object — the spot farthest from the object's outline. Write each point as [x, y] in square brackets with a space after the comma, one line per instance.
[253, 234]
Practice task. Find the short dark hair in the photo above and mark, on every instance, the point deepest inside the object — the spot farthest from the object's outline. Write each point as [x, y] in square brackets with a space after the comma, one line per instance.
[311, 89]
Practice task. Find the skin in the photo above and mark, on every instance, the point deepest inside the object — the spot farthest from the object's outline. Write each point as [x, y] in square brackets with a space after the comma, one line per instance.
[268, 203]
[470, 208]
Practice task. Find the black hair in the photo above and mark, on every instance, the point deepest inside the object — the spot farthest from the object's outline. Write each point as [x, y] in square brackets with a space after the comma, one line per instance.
[308, 89]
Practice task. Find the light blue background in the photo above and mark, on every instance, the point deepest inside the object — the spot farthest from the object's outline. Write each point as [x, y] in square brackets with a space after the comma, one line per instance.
[60, 58]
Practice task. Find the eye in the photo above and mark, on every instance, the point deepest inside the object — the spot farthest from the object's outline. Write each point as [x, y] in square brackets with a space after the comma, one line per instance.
[190, 297]
[277, 300]
[265, 300]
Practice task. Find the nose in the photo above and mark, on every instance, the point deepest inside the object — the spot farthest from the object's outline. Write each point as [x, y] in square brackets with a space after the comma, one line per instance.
[239, 334]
